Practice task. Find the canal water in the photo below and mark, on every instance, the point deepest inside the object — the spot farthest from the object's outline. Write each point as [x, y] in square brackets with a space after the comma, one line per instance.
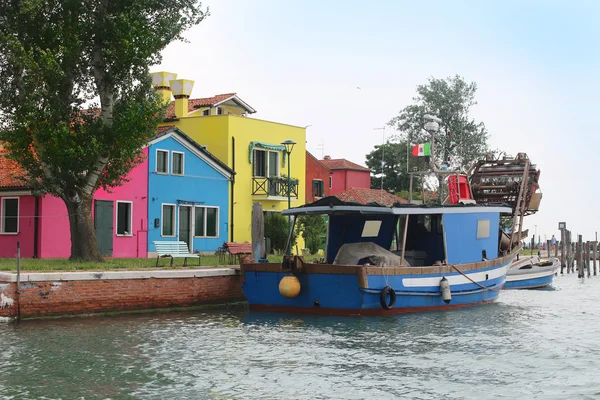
[529, 344]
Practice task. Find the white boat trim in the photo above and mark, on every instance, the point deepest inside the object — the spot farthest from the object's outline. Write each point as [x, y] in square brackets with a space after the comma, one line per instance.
[479, 276]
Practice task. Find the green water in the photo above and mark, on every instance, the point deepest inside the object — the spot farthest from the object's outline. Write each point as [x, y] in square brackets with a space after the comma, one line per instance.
[529, 344]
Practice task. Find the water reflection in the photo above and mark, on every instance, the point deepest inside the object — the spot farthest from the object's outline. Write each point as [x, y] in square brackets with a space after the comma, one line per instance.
[518, 347]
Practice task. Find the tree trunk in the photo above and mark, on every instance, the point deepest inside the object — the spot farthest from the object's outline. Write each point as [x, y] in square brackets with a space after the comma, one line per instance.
[84, 246]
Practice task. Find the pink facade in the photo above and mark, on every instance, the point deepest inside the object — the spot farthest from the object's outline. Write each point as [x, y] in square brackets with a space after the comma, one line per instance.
[53, 232]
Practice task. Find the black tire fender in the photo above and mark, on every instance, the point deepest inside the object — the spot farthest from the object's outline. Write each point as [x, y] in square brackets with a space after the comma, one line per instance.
[383, 298]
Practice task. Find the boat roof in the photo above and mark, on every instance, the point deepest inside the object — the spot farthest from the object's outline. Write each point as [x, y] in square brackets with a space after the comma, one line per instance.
[331, 204]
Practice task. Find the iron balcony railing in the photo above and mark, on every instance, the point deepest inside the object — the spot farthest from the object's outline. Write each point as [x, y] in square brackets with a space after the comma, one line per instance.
[275, 187]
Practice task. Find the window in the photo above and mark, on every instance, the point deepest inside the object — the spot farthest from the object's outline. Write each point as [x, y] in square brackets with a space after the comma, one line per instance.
[317, 188]
[330, 182]
[168, 220]
[124, 218]
[483, 229]
[206, 221]
[177, 168]
[266, 163]
[162, 161]
[371, 229]
[206, 112]
[10, 215]
[220, 111]
[260, 163]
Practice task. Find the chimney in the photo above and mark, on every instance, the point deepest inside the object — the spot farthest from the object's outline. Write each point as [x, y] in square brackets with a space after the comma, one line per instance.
[162, 82]
[327, 158]
[182, 89]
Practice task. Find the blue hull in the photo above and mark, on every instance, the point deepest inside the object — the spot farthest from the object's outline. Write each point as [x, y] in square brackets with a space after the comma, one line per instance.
[534, 283]
[341, 293]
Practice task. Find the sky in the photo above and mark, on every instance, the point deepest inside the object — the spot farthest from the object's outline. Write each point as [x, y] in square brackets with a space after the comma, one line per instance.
[344, 68]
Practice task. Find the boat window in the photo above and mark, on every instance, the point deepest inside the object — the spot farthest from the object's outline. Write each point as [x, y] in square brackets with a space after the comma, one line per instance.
[483, 228]
[371, 229]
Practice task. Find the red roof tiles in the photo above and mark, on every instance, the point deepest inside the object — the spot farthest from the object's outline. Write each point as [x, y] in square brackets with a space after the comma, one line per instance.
[9, 173]
[194, 104]
[366, 196]
[342, 163]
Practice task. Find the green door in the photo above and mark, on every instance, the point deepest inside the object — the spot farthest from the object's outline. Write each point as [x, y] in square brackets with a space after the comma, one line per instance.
[185, 225]
[103, 222]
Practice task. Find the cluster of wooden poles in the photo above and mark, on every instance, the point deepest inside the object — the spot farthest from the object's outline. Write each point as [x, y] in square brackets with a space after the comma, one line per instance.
[577, 253]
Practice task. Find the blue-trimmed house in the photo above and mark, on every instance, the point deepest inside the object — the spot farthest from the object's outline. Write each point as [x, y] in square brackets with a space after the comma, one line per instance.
[188, 193]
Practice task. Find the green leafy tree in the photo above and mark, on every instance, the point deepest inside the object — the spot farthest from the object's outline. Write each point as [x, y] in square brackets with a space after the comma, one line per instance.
[59, 56]
[460, 137]
[311, 227]
[394, 168]
[277, 230]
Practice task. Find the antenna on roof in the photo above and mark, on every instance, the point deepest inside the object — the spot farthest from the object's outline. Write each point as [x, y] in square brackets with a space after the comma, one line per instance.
[321, 146]
[382, 153]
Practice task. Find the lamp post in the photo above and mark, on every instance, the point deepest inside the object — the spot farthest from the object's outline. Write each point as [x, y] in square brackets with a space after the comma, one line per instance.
[289, 146]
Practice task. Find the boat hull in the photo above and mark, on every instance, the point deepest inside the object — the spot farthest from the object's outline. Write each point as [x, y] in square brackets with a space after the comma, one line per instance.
[534, 278]
[332, 289]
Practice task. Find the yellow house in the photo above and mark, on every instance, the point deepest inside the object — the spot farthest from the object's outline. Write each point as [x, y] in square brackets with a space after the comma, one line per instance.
[251, 147]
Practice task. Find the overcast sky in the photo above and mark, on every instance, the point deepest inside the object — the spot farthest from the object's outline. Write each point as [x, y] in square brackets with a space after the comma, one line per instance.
[536, 64]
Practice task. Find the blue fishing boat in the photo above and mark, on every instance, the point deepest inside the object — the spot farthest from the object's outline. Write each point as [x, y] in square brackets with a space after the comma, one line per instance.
[445, 257]
[408, 257]
[531, 273]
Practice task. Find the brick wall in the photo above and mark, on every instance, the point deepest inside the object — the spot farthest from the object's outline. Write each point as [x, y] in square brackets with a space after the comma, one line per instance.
[51, 298]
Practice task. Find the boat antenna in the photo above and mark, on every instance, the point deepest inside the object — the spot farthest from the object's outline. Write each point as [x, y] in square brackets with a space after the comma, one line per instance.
[382, 154]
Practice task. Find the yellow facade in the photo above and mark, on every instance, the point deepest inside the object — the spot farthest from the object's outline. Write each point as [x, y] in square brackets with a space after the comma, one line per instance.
[229, 137]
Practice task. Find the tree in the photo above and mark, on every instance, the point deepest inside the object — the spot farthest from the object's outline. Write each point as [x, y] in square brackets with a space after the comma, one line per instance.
[312, 227]
[394, 168]
[277, 230]
[56, 58]
[460, 138]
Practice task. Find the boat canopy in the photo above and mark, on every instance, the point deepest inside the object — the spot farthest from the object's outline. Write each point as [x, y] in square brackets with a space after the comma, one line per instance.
[331, 205]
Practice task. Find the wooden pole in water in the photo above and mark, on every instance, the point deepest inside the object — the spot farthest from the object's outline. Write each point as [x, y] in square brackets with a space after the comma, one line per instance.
[571, 252]
[594, 252]
[579, 256]
[587, 257]
[549, 249]
[258, 232]
[562, 251]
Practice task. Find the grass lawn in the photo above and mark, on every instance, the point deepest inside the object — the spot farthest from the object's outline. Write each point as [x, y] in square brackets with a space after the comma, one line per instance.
[62, 264]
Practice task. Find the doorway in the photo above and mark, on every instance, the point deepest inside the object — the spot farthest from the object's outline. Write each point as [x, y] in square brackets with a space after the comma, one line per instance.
[103, 224]
[185, 226]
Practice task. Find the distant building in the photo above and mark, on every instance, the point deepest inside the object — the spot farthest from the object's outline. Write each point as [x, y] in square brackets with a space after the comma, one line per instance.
[346, 174]
[319, 179]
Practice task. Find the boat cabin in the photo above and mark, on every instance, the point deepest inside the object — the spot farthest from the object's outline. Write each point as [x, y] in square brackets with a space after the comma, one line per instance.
[419, 235]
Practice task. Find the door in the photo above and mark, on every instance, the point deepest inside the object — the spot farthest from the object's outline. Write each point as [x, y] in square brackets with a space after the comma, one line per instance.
[103, 223]
[185, 226]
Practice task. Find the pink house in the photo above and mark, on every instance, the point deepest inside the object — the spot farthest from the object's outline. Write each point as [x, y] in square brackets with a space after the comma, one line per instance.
[346, 175]
[41, 223]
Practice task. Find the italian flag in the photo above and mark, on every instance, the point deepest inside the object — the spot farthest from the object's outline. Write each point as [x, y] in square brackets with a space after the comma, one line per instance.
[422, 150]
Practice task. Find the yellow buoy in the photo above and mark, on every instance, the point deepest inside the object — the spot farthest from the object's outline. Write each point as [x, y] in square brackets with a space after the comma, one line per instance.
[289, 286]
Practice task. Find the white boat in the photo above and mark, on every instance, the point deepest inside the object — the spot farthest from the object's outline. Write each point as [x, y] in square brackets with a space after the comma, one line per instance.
[531, 272]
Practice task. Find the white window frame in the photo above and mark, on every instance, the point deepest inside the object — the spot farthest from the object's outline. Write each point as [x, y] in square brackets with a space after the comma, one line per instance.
[130, 218]
[220, 111]
[205, 219]
[167, 164]
[162, 208]
[206, 112]
[267, 156]
[3, 217]
[182, 162]
[330, 181]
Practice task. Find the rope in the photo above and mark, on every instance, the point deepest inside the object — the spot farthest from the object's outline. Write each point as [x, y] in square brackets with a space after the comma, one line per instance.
[477, 283]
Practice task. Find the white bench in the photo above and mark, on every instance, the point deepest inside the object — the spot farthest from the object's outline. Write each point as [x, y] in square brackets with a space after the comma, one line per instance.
[174, 250]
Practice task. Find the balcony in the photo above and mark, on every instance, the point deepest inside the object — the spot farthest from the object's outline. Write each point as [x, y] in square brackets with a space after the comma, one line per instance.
[274, 188]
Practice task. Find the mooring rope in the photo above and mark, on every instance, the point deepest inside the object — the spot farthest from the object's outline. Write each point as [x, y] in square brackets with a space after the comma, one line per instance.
[477, 283]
